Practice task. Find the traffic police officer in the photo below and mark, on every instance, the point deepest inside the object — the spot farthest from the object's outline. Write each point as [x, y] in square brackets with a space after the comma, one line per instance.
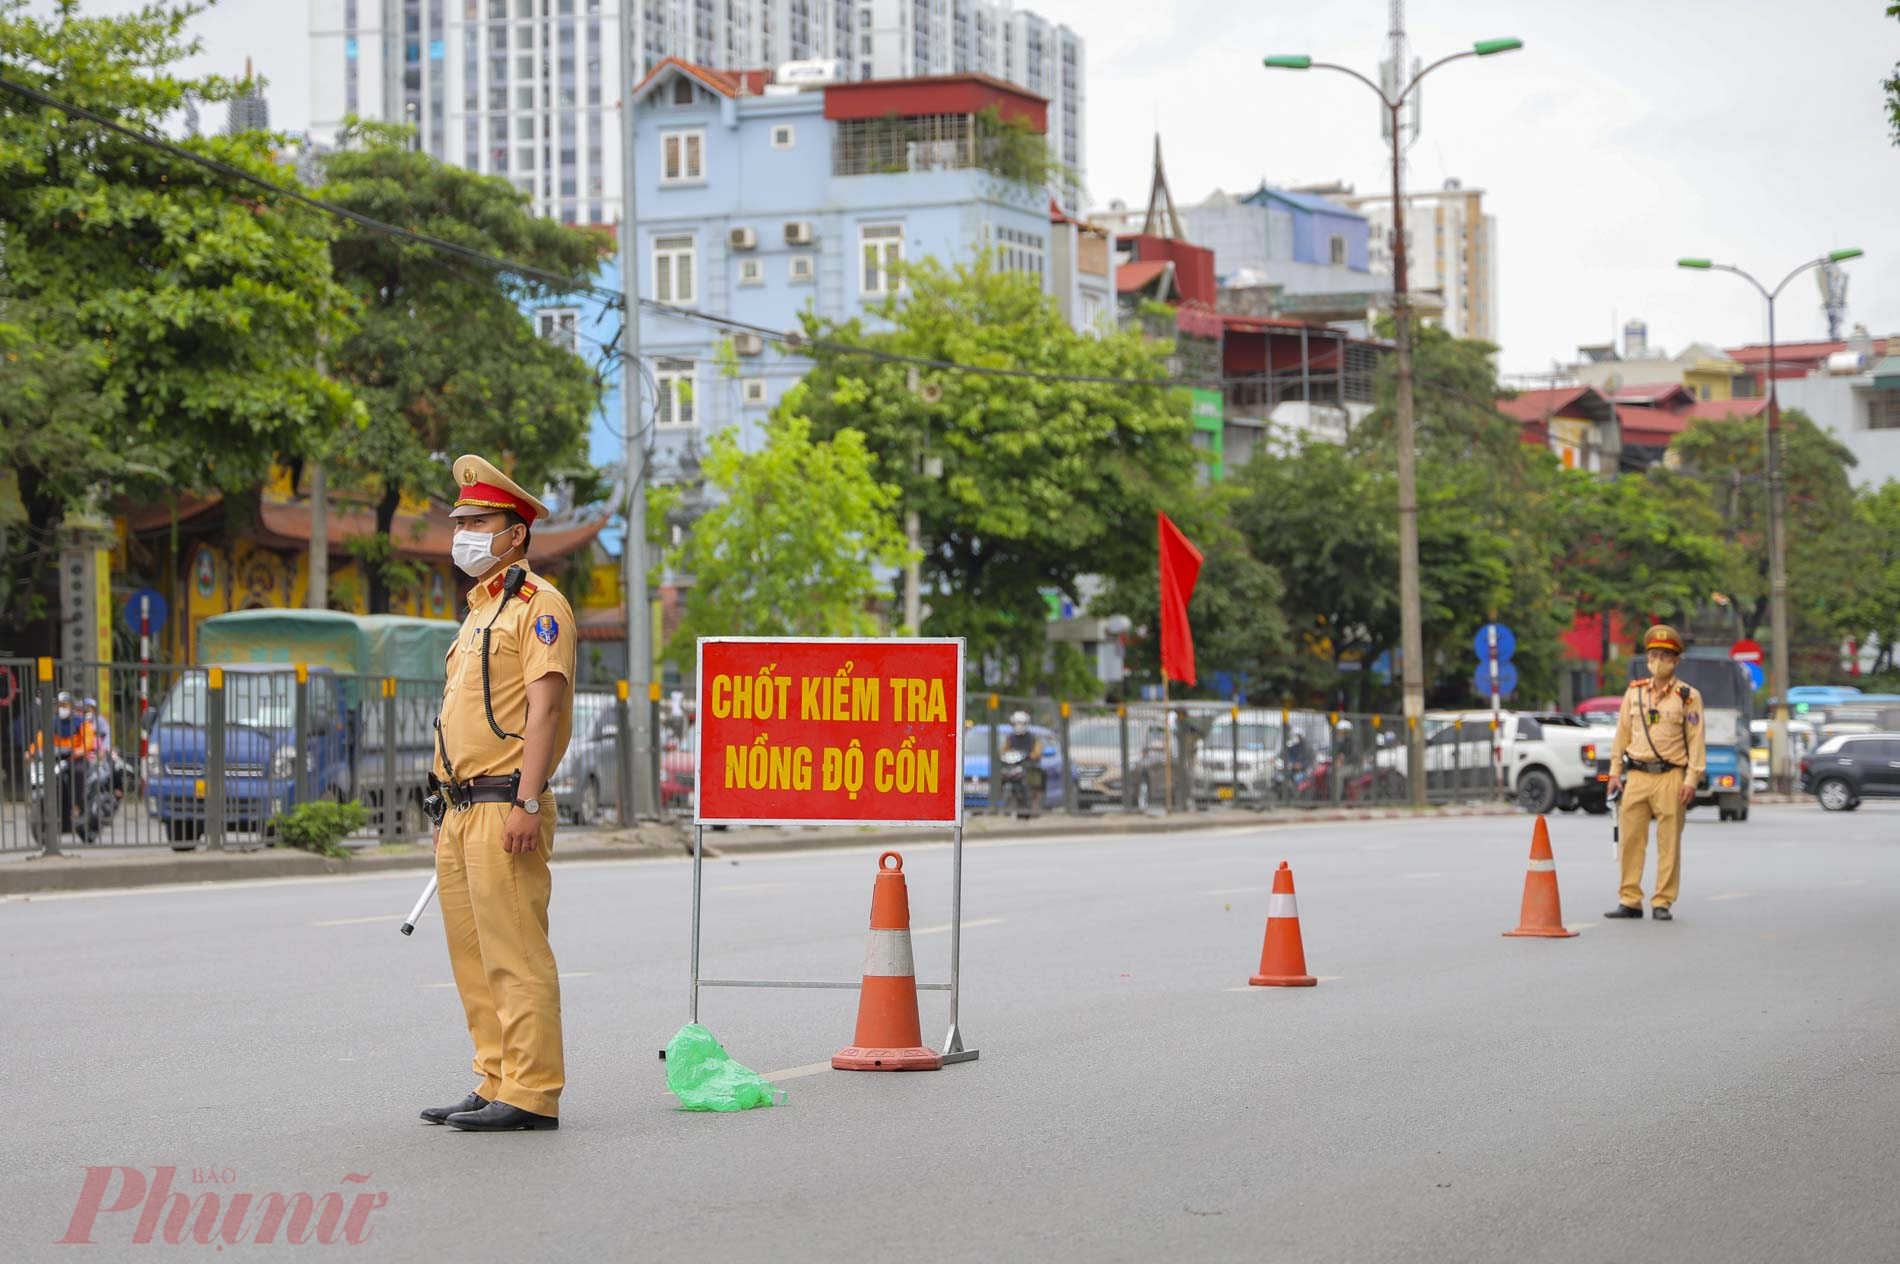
[507, 712]
[1661, 745]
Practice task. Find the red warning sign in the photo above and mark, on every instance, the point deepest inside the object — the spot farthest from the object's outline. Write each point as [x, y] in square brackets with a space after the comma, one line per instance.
[806, 730]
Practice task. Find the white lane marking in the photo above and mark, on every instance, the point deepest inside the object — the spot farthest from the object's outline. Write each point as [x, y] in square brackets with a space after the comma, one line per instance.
[754, 886]
[945, 928]
[797, 1072]
[360, 921]
[577, 974]
[1730, 895]
[436, 985]
[1235, 890]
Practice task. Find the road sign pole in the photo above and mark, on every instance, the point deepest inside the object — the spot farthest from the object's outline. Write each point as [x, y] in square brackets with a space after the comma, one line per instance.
[1497, 750]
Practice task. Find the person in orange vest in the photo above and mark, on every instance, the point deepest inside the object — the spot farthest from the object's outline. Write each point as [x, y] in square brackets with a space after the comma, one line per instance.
[73, 735]
[1660, 744]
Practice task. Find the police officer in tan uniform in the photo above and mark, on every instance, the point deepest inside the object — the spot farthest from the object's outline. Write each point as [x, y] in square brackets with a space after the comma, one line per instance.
[1661, 747]
[507, 711]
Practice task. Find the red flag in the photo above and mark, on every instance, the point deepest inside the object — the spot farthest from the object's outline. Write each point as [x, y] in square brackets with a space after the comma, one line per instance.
[1180, 567]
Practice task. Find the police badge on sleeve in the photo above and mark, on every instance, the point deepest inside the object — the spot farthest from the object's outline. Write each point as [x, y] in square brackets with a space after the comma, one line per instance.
[546, 630]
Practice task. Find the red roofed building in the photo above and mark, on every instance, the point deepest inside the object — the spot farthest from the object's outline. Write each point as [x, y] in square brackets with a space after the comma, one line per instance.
[1578, 423]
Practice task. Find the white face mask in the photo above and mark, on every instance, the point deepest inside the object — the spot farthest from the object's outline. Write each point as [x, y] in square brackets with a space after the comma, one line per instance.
[474, 552]
[65, 713]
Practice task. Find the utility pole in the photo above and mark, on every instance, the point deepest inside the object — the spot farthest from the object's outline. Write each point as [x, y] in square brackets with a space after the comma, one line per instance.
[634, 548]
[317, 591]
[1411, 631]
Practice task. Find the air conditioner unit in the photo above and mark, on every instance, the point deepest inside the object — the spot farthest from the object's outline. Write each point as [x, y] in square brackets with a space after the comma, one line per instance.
[742, 239]
[747, 344]
[798, 233]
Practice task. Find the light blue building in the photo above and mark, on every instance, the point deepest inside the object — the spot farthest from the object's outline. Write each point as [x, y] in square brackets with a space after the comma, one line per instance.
[759, 202]
[1300, 242]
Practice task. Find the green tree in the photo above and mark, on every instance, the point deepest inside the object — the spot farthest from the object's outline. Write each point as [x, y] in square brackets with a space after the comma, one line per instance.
[1639, 546]
[1043, 481]
[1870, 608]
[1892, 85]
[1727, 458]
[444, 359]
[793, 545]
[159, 318]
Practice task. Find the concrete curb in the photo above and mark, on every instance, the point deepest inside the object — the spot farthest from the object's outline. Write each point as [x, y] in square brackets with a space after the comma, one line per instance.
[77, 871]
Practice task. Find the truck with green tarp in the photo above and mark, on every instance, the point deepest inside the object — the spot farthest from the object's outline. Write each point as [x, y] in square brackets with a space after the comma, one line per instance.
[358, 725]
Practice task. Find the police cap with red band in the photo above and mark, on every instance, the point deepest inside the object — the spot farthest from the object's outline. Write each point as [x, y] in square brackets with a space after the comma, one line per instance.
[481, 488]
[1662, 637]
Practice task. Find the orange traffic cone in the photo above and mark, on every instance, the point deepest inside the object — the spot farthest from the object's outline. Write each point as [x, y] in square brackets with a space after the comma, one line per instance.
[1543, 915]
[1282, 958]
[889, 1037]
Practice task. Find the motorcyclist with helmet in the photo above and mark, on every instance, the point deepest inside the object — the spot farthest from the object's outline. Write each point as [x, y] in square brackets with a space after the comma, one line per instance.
[1023, 742]
[77, 741]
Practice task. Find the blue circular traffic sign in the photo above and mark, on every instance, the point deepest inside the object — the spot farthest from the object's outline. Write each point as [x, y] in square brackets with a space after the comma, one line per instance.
[1507, 643]
[1507, 678]
[1756, 675]
[155, 610]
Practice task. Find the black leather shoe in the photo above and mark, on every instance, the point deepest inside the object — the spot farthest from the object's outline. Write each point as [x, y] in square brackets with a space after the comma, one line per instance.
[501, 1117]
[440, 1114]
[1625, 910]
[1661, 913]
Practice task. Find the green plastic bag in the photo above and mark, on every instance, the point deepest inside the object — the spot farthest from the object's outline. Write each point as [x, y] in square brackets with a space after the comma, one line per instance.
[703, 1077]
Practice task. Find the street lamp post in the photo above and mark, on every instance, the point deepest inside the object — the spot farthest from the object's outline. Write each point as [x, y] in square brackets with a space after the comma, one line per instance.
[1777, 519]
[1411, 630]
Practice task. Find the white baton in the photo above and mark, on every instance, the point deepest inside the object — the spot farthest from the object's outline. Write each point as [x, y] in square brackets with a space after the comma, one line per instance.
[415, 914]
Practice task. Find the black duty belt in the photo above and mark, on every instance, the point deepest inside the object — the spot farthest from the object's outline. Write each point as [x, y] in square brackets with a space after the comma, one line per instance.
[463, 795]
[1654, 766]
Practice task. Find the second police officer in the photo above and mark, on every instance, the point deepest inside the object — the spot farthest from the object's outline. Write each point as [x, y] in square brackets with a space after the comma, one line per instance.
[1656, 762]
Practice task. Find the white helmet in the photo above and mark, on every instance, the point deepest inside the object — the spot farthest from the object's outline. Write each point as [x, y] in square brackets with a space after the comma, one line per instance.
[1019, 720]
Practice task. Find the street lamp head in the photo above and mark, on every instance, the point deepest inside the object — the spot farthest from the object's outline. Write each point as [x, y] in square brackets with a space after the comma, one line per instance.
[1835, 256]
[1287, 61]
[1704, 264]
[1485, 48]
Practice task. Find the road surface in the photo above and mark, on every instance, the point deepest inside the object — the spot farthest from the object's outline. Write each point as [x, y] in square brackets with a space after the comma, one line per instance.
[1723, 1087]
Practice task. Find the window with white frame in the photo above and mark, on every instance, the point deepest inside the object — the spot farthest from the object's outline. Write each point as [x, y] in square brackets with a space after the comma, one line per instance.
[782, 136]
[801, 268]
[880, 247]
[683, 157]
[558, 325]
[673, 269]
[751, 272]
[1016, 250]
[752, 390]
[676, 405]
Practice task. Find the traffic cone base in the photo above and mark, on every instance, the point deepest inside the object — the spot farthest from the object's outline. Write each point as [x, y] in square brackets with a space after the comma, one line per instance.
[889, 1036]
[1282, 956]
[1543, 914]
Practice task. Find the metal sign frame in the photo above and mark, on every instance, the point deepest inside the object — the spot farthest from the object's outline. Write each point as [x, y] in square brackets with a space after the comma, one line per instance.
[953, 1047]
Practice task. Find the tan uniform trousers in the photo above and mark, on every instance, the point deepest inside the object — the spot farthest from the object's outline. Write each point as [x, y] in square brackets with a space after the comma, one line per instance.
[495, 913]
[1650, 796]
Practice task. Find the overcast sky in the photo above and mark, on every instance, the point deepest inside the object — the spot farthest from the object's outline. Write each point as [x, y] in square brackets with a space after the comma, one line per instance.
[1626, 134]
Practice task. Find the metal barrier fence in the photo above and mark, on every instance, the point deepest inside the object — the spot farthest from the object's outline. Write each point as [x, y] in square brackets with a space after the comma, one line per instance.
[210, 756]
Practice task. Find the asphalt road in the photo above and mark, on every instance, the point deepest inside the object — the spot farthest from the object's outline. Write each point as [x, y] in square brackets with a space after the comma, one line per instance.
[1723, 1087]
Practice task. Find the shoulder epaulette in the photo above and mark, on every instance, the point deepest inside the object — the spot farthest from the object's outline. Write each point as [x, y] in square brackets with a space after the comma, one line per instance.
[1637, 684]
[525, 591]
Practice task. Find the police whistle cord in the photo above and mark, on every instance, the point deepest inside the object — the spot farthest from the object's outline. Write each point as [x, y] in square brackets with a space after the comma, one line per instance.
[510, 585]
[415, 914]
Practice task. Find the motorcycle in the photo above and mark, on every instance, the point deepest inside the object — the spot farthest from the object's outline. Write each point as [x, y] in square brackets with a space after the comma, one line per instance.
[74, 789]
[1013, 786]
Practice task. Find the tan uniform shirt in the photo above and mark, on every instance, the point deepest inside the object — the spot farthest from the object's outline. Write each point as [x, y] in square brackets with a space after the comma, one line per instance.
[1677, 730]
[534, 636]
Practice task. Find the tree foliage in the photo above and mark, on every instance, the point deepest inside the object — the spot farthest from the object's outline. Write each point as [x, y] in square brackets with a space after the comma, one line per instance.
[793, 546]
[1892, 86]
[1043, 481]
[443, 358]
[158, 318]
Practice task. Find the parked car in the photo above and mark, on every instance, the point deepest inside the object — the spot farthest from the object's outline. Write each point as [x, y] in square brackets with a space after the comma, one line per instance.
[588, 779]
[1095, 757]
[1238, 763]
[1844, 770]
[976, 766]
[1601, 711]
[1548, 759]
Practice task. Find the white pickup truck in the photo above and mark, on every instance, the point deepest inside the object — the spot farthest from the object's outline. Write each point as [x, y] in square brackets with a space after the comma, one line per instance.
[1549, 759]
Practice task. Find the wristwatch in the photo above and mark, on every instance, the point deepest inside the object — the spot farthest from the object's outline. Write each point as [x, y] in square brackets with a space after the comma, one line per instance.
[531, 806]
